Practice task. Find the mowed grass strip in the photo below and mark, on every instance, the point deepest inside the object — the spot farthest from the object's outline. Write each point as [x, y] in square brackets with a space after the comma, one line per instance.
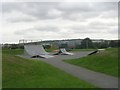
[104, 62]
[81, 50]
[24, 73]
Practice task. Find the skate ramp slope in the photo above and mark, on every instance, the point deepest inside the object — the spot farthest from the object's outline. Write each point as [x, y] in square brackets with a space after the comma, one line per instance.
[63, 51]
[94, 52]
[36, 51]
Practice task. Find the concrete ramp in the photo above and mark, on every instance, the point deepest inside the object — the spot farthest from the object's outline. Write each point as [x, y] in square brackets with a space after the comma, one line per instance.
[63, 51]
[36, 51]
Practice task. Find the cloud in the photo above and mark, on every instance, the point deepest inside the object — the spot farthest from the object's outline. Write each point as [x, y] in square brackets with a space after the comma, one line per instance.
[38, 10]
[87, 10]
[37, 29]
[65, 10]
[16, 16]
[58, 20]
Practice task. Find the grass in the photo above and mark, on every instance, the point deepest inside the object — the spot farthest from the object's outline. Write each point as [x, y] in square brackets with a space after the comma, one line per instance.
[104, 62]
[0, 68]
[12, 51]
[48, 50]
[78, 50]
[24, 73]
[72, 50]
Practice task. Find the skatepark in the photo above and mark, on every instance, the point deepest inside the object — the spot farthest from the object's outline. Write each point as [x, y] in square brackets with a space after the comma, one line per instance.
[59, 44]
[37, 52]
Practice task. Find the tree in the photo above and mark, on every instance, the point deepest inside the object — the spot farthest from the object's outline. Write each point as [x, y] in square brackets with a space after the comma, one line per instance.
[77, 46]
[14, 46]
[113, 43]
[104, 44]
[63, 45]
[53, 46]
[86, 43]
[46, 46]
[97, 45]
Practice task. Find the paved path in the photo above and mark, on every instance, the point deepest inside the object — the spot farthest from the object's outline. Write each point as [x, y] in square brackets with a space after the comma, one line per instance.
[95, 78]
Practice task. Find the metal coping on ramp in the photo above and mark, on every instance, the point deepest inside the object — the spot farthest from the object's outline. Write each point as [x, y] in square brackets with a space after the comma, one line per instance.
[36, 51]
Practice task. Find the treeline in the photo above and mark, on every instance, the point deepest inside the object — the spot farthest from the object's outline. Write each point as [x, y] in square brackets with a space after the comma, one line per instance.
[88, 43]
[85, 43]
[12, 46]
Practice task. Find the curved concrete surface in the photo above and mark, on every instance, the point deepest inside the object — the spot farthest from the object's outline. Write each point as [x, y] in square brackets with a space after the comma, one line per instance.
[63, 51]
[36, 50]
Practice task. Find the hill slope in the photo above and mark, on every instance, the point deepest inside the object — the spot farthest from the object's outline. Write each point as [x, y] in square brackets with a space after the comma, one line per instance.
[24, 73]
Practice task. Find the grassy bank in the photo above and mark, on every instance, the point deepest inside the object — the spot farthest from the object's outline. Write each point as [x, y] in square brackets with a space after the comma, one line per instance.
[24, 73]
[104, 62]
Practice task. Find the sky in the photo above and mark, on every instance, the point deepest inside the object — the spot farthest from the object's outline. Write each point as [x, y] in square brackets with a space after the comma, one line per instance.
[58, 20]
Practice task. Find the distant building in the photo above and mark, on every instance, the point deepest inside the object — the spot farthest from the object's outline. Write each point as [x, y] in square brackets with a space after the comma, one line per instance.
[97, 40]
[69, 43]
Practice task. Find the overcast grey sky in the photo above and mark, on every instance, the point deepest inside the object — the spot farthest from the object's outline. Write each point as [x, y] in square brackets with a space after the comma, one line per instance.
[59, 20]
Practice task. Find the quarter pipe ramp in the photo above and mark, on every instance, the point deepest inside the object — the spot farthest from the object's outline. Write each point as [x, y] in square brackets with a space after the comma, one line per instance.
[36, 51]
[63, 51]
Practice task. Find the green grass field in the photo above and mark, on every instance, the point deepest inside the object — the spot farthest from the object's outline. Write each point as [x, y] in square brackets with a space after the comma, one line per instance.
[72, 50]
[79, 50]
[104, 62]
[0, 68]
[24, 73]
